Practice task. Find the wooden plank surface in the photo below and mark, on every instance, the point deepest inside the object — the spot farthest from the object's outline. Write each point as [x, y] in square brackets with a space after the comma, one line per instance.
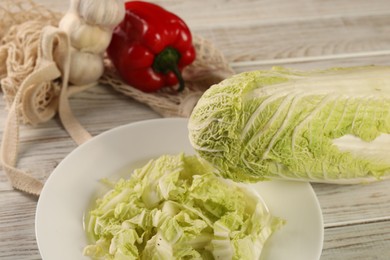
[302, 34]
[361, 242]
[320, 37]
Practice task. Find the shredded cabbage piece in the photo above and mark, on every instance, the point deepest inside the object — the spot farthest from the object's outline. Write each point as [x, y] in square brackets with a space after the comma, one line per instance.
[175, 207]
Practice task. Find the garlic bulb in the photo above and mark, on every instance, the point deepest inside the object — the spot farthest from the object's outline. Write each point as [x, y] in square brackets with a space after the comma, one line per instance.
[85, 67]
[83, 36]
[102, 12]
[89, 25]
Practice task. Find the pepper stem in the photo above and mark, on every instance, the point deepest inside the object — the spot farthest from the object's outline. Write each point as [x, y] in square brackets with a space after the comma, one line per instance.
[166, 61]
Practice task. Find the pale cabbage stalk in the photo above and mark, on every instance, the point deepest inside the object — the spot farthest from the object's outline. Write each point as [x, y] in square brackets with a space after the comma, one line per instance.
[322, 126]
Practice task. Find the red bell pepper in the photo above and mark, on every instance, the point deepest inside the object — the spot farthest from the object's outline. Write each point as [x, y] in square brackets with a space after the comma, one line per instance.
[150, 47]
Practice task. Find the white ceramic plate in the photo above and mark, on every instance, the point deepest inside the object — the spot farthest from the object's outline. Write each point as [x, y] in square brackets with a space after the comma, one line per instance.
[75, 184]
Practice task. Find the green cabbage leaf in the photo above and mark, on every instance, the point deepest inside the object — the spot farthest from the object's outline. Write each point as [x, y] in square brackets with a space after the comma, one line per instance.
[175, 207]
[321, 126]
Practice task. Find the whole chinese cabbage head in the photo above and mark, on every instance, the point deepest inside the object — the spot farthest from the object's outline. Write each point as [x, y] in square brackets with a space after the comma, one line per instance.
[321, 126]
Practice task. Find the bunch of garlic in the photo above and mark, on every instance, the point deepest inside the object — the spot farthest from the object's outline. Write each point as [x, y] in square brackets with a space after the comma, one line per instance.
[89, 25]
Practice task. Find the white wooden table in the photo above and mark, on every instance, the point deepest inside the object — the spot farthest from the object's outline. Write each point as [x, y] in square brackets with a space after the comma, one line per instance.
[253, 34]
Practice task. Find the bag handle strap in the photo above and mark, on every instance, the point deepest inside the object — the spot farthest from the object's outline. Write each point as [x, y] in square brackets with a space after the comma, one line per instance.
[52, 40]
